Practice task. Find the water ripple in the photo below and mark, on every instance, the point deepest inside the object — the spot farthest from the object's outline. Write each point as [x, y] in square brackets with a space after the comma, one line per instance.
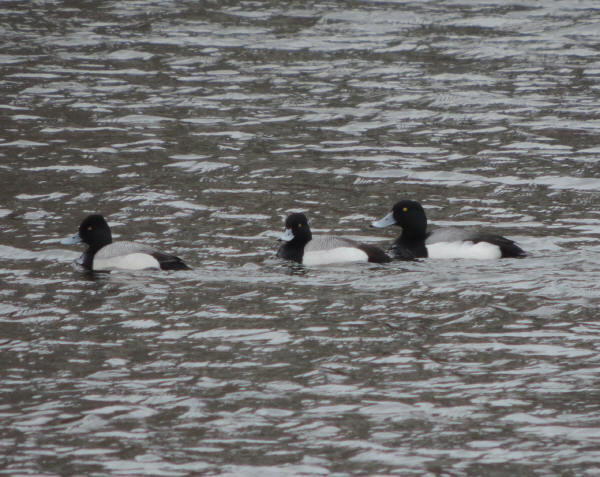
[197, 128]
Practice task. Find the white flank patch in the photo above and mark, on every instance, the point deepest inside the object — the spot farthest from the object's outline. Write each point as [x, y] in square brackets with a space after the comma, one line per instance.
[131, 261]
[478, 251]
[334, 255]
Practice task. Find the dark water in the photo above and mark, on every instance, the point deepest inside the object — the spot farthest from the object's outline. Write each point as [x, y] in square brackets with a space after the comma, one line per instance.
[196, 127]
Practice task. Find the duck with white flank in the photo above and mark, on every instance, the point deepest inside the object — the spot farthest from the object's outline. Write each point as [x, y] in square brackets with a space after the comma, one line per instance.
[302, 247]
[103, 254]
[416, 242]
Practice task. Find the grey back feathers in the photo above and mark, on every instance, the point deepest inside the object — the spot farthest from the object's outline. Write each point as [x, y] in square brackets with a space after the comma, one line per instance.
[117, 249]
[327, 242]
[450, 234]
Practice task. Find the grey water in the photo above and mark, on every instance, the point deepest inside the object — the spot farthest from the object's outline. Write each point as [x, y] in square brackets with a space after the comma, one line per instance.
[196, 127]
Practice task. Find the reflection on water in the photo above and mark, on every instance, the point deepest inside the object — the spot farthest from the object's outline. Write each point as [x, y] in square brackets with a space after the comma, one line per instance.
[198, 127]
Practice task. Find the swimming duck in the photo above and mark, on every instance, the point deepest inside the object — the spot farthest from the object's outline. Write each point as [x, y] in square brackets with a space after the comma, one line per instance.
[416, 242]
[302, 247]
[105, 255]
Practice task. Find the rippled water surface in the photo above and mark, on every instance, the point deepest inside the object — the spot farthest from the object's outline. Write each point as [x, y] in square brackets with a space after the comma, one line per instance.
[197, 127]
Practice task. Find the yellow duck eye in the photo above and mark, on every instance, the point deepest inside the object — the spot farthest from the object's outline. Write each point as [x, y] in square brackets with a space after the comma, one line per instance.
[405, 209]
[299, 226]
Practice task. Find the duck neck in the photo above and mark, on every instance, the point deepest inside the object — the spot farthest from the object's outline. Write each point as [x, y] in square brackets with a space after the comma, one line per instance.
[88, 255]
[414, 234]
[409, 246]
[294, 249]
[88, 258]
[301, 239]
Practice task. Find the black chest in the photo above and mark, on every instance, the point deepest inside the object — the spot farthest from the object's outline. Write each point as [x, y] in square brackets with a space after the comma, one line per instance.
[404, 249]
[290, 251]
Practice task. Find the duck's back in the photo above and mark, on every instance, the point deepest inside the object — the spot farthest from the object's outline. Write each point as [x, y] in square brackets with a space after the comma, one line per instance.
[128, 255]
[328, 242]
[326, 249]
[452, 242]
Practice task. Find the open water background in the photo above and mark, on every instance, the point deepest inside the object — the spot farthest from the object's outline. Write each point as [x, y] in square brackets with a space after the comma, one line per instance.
[197, 127]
